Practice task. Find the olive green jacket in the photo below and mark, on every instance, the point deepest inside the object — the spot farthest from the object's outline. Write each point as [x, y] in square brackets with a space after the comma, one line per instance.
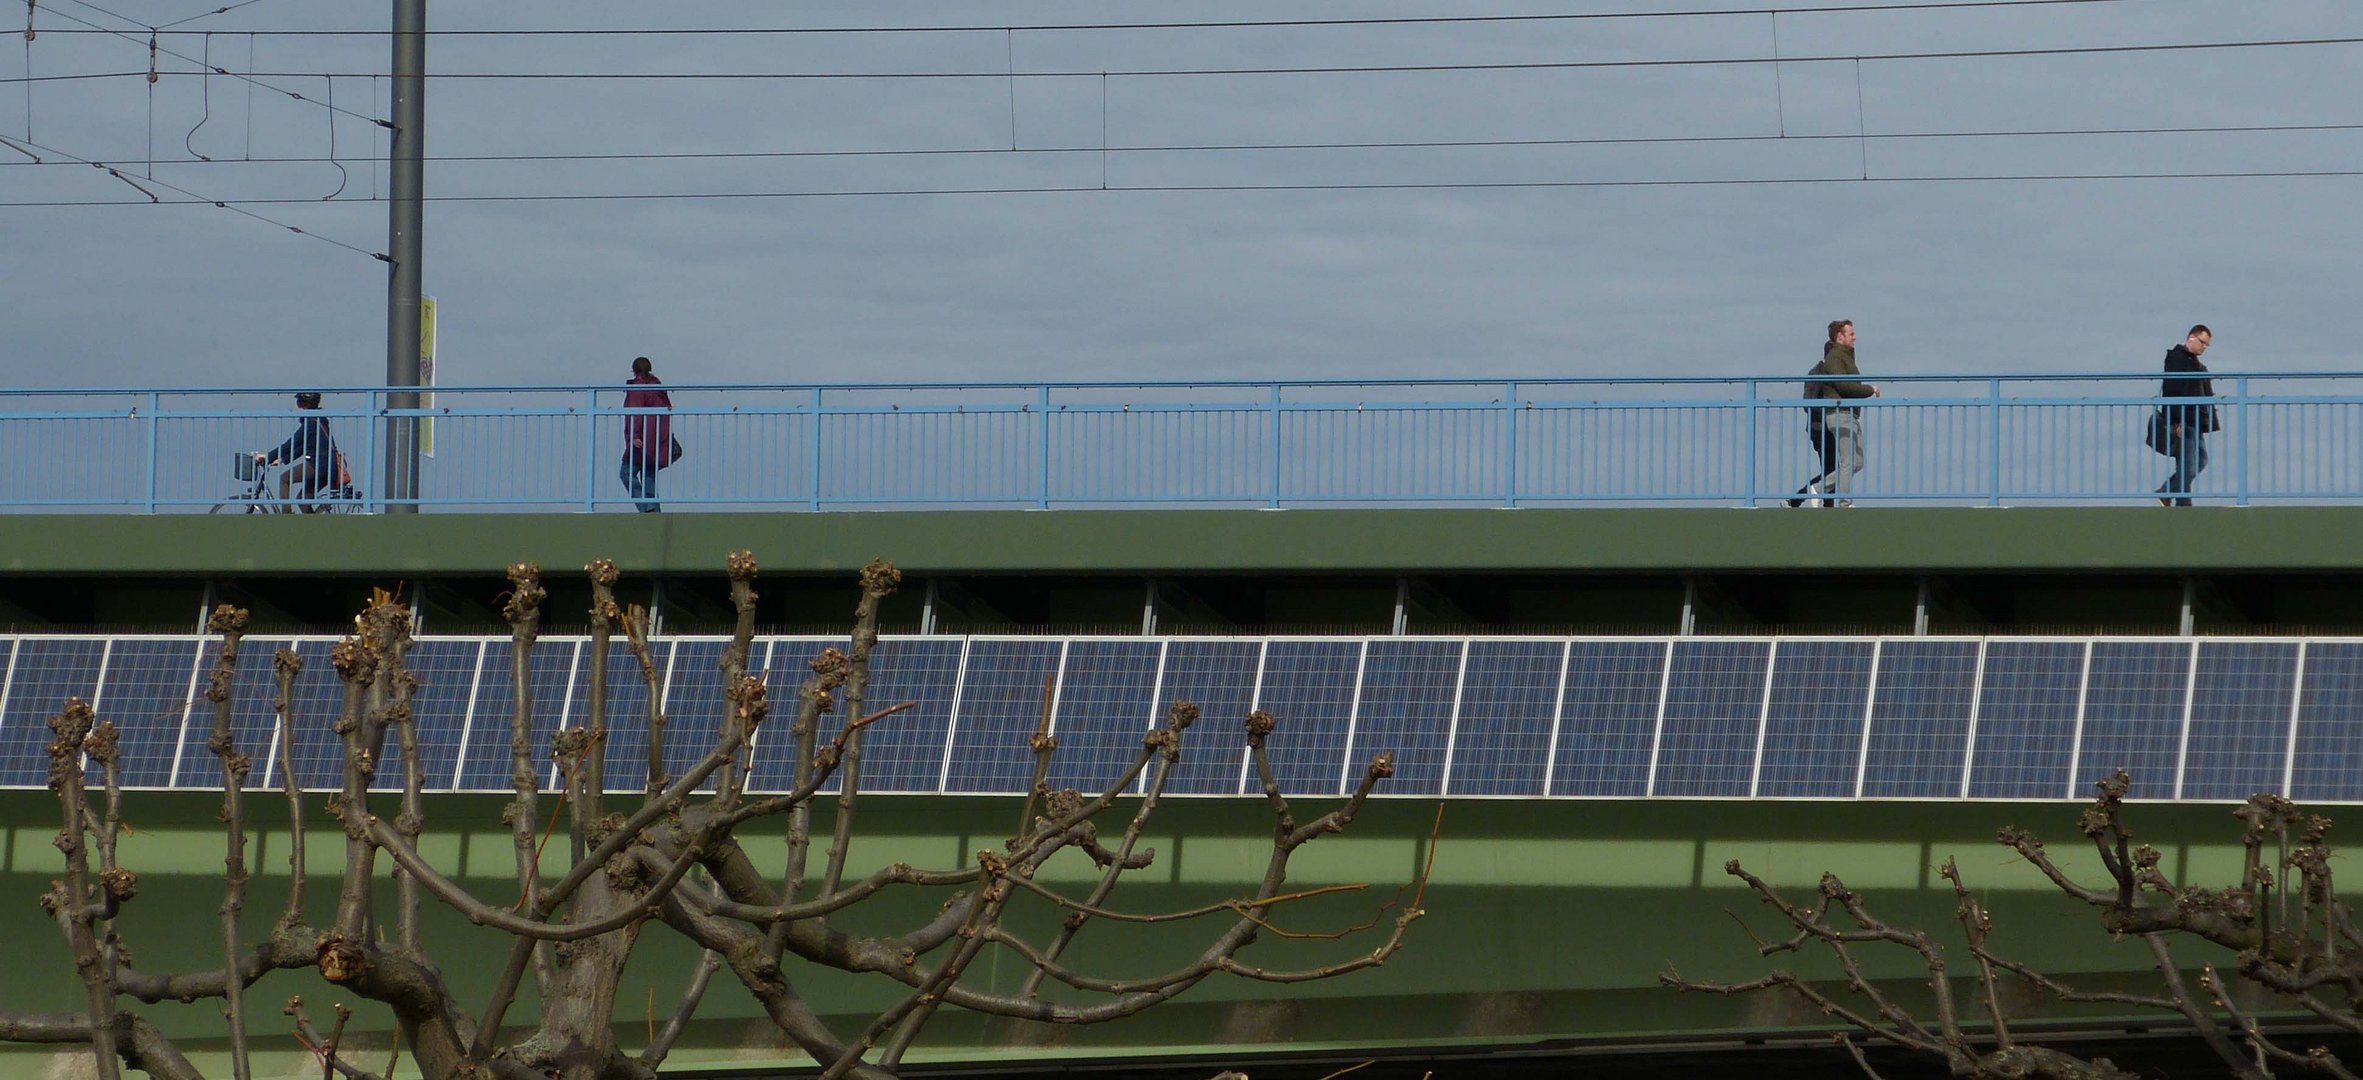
[1838, 360]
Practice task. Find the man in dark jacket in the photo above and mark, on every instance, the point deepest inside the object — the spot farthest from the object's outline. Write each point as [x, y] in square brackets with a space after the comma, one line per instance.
[648, 436]
[311, 459]
[2186, 425]
[1835, 430]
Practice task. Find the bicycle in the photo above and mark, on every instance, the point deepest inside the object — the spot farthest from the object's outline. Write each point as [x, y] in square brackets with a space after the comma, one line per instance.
[260, 496]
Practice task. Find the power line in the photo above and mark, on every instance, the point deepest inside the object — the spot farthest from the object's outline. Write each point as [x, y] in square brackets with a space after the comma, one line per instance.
[204, 68]
[235, 206]
[1341, 69]
[1234, 24]
[207, 15]
[1059, 189]
[1410, 144]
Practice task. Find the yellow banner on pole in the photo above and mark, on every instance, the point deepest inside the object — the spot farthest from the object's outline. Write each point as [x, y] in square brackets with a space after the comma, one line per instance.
[426, 374]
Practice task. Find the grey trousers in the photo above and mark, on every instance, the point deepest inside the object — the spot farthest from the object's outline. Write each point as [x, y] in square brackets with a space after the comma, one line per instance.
[1846, 431]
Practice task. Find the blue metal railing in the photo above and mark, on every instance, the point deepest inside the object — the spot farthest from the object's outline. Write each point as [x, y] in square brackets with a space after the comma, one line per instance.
[1932, 440]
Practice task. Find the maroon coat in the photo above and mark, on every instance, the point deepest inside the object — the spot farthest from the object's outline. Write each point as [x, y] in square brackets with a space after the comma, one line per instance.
[648, 437]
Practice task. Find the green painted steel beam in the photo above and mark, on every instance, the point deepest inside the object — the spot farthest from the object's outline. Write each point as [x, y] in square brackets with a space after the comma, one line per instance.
[1770, 540]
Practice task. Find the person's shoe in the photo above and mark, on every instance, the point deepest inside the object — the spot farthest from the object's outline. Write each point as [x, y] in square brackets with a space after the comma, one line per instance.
[1797, 502]
[2162, 501]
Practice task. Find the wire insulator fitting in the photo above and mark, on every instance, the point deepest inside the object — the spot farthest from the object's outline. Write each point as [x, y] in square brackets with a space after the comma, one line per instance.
[30, 6]
[151, 58]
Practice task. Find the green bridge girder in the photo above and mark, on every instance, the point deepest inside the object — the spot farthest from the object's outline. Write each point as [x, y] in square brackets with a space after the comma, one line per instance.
[1547, 921]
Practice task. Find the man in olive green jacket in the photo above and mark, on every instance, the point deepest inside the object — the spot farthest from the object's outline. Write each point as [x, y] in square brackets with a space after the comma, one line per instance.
[1835, 430]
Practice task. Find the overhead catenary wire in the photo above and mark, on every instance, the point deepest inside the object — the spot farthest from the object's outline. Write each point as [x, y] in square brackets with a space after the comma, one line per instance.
[1395, 144]
[1341, 69]
[190, 198]
[1223, 24]
[249, 78]
[1438, 185]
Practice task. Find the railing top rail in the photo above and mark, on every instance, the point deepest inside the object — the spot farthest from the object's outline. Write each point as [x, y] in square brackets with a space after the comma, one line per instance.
[1182, 384]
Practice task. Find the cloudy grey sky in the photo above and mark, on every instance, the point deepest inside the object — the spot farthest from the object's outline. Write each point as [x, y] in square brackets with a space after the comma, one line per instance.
[1333, 271]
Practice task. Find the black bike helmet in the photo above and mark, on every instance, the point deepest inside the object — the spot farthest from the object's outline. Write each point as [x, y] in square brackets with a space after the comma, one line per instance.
[309, 399]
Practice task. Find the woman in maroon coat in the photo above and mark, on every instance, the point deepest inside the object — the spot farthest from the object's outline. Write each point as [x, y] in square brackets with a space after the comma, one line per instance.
[648, 436]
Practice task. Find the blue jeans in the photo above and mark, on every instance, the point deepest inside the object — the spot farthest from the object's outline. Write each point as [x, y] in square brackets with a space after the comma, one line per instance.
[639, 479]
[2190, 458]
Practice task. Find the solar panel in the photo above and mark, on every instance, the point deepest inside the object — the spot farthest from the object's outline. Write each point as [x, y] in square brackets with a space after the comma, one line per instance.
[253, 723]
[1501, 741]
[2133, 715]
[2240, 717]
[1308, 687]
[1920, 712]
[2328, 763]
[694, 707]
[149, 684]
[1408, 692]
[1608, 718]
[623, 712]
[2026, 719]
[789, 661]
[1003, 695]
[1220, 678]
[905, 752]
[1714, 706]
[1797, 717]
[446, 672]
[550, 671]
[1813, 719]
[45, 672]
[1104, 704]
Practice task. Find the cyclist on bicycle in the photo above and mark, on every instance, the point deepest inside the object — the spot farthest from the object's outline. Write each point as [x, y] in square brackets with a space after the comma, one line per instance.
[311, 457]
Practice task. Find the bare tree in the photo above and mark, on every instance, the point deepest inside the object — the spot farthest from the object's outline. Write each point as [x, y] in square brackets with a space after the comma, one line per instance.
[2293, 943]
[637, 868]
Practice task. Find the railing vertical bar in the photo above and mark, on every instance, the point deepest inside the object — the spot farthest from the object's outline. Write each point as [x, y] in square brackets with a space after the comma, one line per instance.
[813, 447]
[1993, 442]
[1274, 406]
[2240, 417]
[1509, 445]
[590, 449]
[154, 403]
[1748, 455]
[1042, 473]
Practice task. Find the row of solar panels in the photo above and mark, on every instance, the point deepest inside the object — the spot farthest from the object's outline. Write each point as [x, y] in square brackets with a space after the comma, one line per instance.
[2000, 718]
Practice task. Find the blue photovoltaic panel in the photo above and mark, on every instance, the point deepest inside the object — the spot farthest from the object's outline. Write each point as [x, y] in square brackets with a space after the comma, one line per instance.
[901, 753]
[47, 672]
[905, 752]
[1219, 676]
[1309, 689]
[446, 672]
[2329, 763]
[1503, 742]
[1608, 722]
[1714, 700]
[2240, 718]
[694, 706]
[1813, 722]
[253, 724]
[1103, 711]
[549, 678]
[696, 689]
[2026, 719]
[1406, 710]
[318, 701]
[1920, 719]
[146, 696]
[2133, 715]
[624, 763]
[1001, 703]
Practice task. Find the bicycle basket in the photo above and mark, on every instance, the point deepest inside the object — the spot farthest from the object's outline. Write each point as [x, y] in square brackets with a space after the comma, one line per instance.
[244, 467]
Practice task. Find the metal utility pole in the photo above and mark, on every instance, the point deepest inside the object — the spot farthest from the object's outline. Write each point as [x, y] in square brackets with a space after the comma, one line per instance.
[405, 222]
